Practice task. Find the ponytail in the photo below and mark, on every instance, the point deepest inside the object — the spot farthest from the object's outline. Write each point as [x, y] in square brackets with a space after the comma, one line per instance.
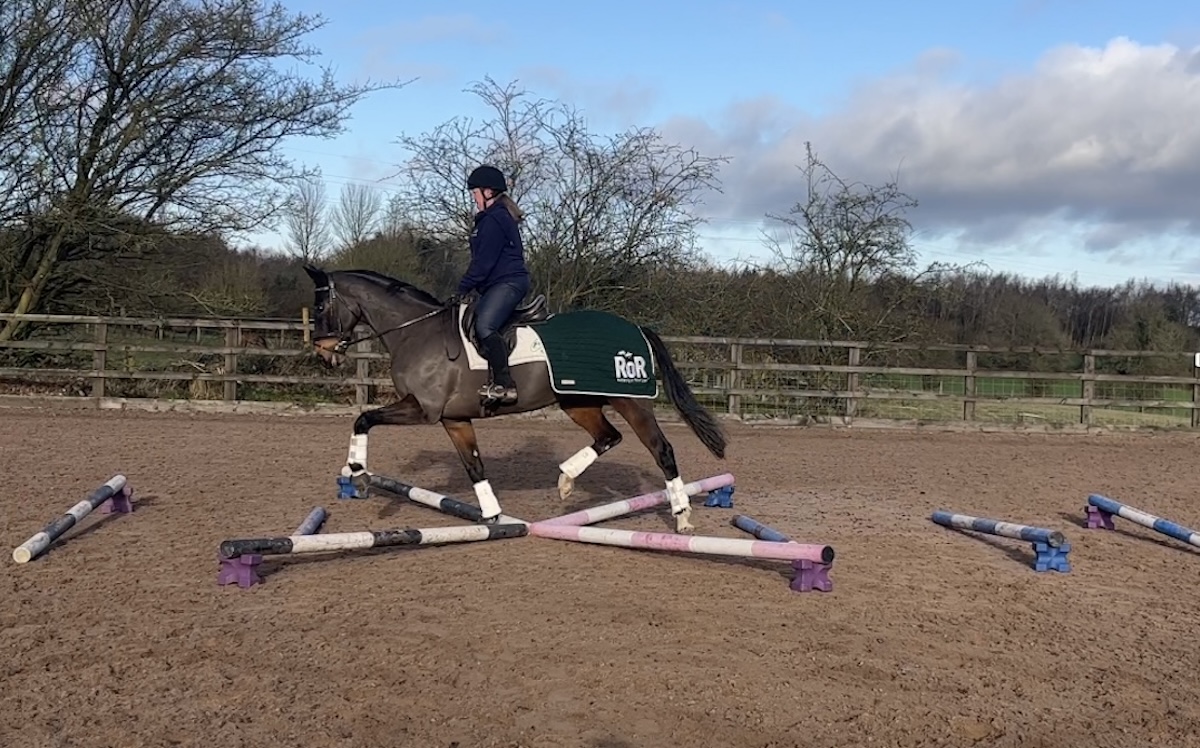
[513, 209]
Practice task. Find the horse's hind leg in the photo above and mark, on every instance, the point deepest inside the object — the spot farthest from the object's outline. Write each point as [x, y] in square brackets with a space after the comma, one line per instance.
[590, 417]
[640, 416]
[462, 435]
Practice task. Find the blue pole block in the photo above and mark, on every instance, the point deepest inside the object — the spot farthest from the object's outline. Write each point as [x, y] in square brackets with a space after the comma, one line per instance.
[721, 497]
[346, 489]
[1050, 558]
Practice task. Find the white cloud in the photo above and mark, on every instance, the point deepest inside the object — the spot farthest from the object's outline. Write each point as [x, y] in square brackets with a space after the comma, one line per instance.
[1103, 135]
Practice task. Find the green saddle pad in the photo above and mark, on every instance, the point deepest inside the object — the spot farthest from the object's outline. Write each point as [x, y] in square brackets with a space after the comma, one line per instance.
[597, 353]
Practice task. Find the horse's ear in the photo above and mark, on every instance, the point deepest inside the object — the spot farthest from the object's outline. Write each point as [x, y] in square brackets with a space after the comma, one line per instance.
[317, 274]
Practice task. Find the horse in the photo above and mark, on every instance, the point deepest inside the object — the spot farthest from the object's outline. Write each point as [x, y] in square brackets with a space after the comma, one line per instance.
[556, 359]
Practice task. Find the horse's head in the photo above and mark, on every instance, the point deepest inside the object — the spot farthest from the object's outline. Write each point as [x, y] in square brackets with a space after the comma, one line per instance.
[334, 318]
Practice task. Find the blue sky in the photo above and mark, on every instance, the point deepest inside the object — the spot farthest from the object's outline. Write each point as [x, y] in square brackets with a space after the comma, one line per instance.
[1040, 136]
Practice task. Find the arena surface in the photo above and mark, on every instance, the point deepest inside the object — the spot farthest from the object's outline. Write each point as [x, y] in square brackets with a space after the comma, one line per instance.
[119, 636]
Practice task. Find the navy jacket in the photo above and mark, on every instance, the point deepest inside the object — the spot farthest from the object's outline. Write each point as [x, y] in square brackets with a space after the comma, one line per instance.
[497, 252]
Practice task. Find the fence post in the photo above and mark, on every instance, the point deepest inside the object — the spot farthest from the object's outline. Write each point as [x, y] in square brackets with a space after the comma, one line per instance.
[853, 357]
[233, 339]
[969, 386]
[362, 370]
[100, 359]
[1195, 415]
[1088, 390]
[735, 379]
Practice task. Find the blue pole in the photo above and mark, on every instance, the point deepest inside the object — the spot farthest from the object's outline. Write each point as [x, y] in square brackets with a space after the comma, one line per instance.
[312, 522]
[758, 529]
[1145, 519]
[1051, 538]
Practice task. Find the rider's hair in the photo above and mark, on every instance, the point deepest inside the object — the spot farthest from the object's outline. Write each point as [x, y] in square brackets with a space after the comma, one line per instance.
[513, 209]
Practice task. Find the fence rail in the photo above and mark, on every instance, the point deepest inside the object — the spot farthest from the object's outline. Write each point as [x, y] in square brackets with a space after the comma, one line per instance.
[271, 360]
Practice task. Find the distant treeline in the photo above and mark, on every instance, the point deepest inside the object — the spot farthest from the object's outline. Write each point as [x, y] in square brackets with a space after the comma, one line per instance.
[207, 278]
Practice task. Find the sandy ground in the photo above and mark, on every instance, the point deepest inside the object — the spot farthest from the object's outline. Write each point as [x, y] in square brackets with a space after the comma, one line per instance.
[119, 636]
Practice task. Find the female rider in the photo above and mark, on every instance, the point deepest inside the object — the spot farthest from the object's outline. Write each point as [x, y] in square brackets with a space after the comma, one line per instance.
[497, 271]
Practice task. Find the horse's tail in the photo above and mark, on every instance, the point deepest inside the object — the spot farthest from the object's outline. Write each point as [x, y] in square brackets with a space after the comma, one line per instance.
[702, 423]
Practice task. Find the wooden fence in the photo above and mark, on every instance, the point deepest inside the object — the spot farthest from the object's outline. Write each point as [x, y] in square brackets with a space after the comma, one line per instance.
[240, 360]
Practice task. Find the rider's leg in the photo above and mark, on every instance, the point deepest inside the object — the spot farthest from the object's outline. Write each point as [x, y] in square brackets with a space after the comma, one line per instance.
[492, 311]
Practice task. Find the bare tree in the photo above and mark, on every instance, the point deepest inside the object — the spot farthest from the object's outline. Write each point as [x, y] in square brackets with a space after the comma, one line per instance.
[839, 244]
[171, 113]
[36, 38]
[600, 211]
[307, 222]
[357, 214]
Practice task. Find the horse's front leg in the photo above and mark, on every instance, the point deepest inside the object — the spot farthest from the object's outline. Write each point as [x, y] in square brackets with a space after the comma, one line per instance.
[462, 435]
[406, 412]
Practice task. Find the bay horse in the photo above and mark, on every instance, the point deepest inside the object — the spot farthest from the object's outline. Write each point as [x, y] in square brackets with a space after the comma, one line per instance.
[431, 347]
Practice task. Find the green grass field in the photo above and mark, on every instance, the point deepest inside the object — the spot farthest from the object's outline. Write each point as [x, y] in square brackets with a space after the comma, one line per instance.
[897, 406]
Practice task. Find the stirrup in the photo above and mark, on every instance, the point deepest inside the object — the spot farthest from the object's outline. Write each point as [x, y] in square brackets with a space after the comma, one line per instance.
[492, 392]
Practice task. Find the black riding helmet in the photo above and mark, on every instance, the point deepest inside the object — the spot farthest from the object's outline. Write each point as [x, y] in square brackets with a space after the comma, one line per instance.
[489, 177]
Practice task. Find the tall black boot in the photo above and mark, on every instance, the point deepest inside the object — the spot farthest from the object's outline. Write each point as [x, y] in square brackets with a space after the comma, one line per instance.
[502, 388]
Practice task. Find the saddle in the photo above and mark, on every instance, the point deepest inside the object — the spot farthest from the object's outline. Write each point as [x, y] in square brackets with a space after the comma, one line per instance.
[524, 314]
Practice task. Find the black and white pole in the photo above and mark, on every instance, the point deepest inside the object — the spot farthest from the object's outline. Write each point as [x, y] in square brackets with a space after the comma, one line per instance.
[344, 541]
[447, 504]
[115, 490]
[243, 570]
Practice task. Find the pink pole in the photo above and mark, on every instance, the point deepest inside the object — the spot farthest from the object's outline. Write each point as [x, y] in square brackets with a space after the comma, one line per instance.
[661, 541]
[636, 504]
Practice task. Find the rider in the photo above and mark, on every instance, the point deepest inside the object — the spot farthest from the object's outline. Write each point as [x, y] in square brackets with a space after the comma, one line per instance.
[497, 271]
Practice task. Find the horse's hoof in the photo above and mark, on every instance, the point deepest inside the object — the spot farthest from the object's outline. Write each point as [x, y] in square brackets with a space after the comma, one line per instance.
[566, 484]
[682, 526]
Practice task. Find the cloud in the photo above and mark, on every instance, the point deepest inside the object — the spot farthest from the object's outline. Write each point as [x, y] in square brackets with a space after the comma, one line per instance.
[625, 101]
[1099, 135]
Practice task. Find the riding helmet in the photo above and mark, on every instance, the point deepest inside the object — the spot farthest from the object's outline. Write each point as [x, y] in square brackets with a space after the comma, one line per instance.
[489, 177]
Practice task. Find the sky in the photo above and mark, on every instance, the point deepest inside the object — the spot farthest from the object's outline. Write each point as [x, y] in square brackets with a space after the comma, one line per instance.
[1039, 137]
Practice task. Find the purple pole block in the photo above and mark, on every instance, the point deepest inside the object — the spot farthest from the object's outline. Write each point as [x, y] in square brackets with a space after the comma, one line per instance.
[1098, 519]
[120, 502]
[811, 575]
[240, 571]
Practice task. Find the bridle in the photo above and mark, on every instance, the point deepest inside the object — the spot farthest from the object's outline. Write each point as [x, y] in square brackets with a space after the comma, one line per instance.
[345, 337]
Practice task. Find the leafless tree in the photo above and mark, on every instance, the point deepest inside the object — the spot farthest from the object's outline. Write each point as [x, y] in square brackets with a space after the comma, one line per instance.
[170, 112]
[600, 211]
[357, 213]
[307, 222]
[839, 243]
[36, 38]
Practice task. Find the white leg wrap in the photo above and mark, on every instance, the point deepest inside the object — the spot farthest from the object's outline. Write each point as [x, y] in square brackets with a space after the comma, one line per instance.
[677, 495]
[358, 450]
[488, 503]
[574, 466]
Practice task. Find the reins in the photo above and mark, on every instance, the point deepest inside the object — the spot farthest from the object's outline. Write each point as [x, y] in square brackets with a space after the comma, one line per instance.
[345, 340]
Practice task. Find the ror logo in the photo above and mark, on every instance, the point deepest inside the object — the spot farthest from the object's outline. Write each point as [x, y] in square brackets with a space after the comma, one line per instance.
[630, 367]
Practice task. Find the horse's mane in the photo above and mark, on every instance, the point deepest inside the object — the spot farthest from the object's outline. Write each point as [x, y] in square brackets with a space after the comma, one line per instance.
[394, 285]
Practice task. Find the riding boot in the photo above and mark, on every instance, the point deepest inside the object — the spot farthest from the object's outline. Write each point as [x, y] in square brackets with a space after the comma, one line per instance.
[501, 388]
